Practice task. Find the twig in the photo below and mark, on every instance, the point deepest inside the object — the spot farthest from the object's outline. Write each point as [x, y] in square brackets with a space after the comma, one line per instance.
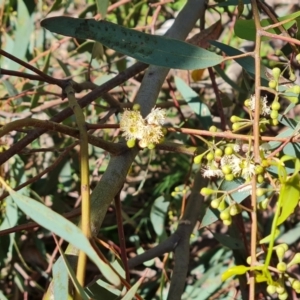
[45, 77]
[256, 134]
[110, 84]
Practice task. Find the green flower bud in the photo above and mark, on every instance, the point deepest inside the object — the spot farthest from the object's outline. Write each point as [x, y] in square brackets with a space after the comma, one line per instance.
[260, 192]
[218, 152]
[215, 203]
[136, 107]
[247, 103]
[281, 267]
[225, 215]
[271, 289]
[276, 73]
[227, 222]
[235, 119]
[280, 251]
[263, 204]
[234, 210]
[226, 169]
[198, 159]
[283, 296]
[213, 129]
[130, 143]
[298, 58]
[206, 191]
[274, 122]
[210, 156]
[280, 289]
[222, 205]
[296, 285]
[151, 146]
[229, 177]
[274, 114]
[236, 126]
[248, 260]
[260, 178]
[295, 260]
[275, 105]
[272, 84]
[296, 89]
[228, 150]
[259, 169]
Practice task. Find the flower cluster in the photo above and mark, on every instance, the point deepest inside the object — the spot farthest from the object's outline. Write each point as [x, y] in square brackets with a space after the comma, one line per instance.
[263, 105]
[148, 131]
[230, 167]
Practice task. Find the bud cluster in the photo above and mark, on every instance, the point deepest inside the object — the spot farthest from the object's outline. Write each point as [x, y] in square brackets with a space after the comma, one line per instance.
[279, 286]
[148, 131]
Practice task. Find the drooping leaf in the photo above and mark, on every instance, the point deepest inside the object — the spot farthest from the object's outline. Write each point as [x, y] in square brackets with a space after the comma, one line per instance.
[36, 96]
[267, 239]
[102, 290]
[60, 280]
[72, 276]
[290, 193]
[150, 49]
[228, 241]
[194, 102]
[247, 63]
[24, 29]
[62, 227]
[133, 290]
[102, 6]
[158, 215]
[245, 29]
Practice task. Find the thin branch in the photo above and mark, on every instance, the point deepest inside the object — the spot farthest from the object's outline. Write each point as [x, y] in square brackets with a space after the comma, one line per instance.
[45, 77]
[23, 75]
[256, 133]
[61, 116]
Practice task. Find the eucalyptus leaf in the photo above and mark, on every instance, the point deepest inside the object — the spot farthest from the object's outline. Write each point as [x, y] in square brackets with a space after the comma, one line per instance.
[195, 102]
[54, 222]
[150, 49]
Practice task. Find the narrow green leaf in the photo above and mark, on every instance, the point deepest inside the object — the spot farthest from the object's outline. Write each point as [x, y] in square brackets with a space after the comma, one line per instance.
[245, 29]
[150, 49]
[132, 291]
[194, 102]
[158, 215]
[72, 275]
[60, 280]
[235, 270]
[102, 290]
[24, 29]
[290, 193]
[247, 63]
[267, 239]
[58, 4]
[62, 227]
[228, 241]
[36, 96]
[102, 6]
